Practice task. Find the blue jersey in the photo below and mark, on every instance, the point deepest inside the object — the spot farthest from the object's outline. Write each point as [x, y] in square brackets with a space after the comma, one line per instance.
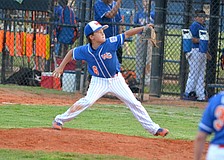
[213, 118]
[141, 17]
[194, 28]
[57, 12]
[100, 9]
[103, 61]
[127, 14]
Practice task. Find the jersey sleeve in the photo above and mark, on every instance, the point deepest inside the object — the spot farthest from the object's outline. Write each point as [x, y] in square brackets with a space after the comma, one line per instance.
[194, 28]
[117, 41]
[207, 122]
[78, 53]
[118, 16]
[100, 9]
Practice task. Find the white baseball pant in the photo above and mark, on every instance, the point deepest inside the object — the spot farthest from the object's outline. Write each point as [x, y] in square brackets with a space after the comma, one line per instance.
[196, 76]
[117, 85]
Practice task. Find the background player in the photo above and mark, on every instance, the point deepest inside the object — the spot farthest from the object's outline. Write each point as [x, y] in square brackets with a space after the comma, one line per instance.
[103, 65]
[108, 12]
[197, 61]
[212, 121]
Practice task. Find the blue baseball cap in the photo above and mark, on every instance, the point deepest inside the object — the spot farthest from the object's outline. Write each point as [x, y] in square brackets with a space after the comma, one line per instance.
[93, 26]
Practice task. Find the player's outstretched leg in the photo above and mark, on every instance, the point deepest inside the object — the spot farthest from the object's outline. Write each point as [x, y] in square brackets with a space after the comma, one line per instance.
[95, 91]
[124, 93]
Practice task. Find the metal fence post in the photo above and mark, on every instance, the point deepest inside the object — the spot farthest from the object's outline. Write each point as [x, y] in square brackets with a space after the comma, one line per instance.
[158, 53]
[183, 62]
[78, 68]
[3, 70]
[213, 34]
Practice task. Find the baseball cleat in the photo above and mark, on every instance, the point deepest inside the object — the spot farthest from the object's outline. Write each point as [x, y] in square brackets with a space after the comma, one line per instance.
[189, 97]
[162, 132]
[202, 100]
[56, 125]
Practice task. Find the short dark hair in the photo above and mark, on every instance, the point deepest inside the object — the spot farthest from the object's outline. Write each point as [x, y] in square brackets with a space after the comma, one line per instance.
[88, 39]
[199, 13]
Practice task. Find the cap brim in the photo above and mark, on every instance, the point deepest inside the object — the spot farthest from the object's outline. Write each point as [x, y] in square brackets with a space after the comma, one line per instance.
[102, 27]
[105, 27]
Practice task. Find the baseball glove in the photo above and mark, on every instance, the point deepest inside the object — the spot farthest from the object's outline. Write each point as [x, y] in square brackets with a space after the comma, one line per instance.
[149, 33]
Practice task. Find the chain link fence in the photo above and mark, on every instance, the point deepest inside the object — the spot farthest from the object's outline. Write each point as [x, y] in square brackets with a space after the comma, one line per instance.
[29, 49]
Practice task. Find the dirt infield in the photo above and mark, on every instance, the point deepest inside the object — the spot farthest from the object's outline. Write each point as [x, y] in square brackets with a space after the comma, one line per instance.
[93, 142]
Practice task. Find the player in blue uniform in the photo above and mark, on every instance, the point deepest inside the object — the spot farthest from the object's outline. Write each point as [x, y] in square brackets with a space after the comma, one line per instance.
[108, 12]
[212, 122]
[103, 65]
[197, 61]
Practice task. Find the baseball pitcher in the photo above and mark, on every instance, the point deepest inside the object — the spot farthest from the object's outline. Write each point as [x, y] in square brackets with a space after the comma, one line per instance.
[103, 65]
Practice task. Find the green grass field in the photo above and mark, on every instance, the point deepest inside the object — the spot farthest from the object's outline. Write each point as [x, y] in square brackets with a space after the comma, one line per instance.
[106, 118]
[39, 155]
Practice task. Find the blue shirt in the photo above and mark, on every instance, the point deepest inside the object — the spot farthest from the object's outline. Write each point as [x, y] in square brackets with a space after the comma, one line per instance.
[194, 28]
[141, 17]
[213, 118]
[103, 61]
[100, 9]
[65, 34]
[57, 12]
[127, 13]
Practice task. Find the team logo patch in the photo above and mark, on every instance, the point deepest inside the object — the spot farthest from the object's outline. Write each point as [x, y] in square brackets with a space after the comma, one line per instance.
[113, 39]
[106, 55]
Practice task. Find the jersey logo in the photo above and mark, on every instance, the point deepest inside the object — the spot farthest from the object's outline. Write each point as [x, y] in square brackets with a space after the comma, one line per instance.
[113, 39]
[219, 114]
[106, 55]
[95, 70]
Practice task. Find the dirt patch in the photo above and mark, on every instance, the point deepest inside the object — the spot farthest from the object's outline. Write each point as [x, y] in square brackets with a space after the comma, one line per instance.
[93, 142]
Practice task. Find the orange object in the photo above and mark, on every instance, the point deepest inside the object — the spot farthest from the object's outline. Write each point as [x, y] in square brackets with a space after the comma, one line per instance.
[43, 39]
[29, 44]
[1, 40]
[38, 45]
[7, 39]
[11, 44]
[23, 38]
[19, 46]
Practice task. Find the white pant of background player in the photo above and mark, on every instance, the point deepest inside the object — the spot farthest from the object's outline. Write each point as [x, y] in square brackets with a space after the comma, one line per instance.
[196, 76]
[117, 85]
